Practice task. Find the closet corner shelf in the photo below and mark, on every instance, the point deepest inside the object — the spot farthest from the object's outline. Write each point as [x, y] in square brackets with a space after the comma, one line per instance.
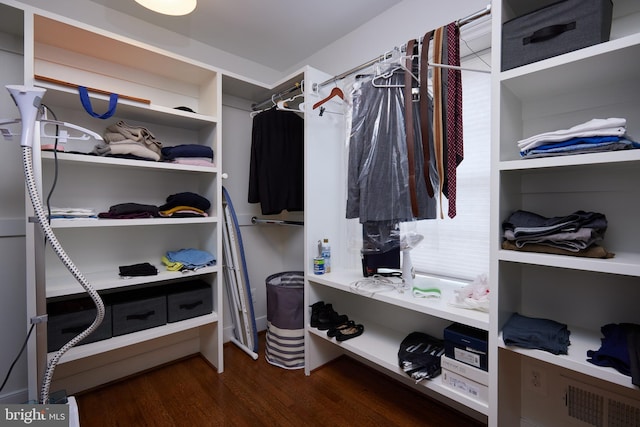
[128, 163]
[122, 341]
[440, 308]
[624, 263]
[576, 359]
[379, 344]
[106, 280]
[576, 160]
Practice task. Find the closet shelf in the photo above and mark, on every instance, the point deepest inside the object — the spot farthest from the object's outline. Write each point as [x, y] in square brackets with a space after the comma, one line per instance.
[379, 345]
[66, 97]
[439, 308]
[127, 163]
[576, 360]
[608, 159]
[99, 223]
[624, 263]
[63, 285]
[122, 341]
[565, 73]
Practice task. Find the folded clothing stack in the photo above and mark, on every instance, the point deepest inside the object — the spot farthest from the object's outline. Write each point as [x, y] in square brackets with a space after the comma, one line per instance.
[73, 213]
[185, 204]
[576, 234]
[593, 136]
[130, 210]
[535, 333]
[189, 154]
[188, 259]
[124, 140]
[620, 350]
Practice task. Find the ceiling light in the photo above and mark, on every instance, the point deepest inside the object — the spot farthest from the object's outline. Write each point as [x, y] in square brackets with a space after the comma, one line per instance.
[169, 7]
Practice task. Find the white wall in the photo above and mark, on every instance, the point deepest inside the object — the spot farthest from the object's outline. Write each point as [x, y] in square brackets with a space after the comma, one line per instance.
[408, 19]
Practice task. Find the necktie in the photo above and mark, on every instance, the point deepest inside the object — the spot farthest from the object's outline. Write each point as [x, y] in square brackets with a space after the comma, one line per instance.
[455, 151]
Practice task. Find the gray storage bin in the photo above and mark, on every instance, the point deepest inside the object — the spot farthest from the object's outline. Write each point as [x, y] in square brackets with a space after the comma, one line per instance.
[186, 300]
[138, 310]
[285, 320]
[559, 28]
[67, 318]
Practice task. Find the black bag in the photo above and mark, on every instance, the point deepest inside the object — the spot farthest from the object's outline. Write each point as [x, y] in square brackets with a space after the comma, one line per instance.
[419, 355]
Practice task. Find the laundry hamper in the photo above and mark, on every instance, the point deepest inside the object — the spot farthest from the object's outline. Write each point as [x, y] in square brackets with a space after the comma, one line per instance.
[285, 320]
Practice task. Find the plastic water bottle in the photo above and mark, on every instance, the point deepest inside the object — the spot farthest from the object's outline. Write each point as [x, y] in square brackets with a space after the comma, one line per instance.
[326, 254]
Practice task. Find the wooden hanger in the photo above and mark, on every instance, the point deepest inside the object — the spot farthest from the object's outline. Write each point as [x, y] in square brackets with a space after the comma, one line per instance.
[336, 91]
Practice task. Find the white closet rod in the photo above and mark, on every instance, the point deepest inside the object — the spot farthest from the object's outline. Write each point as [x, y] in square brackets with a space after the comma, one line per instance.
[260, 105]
[463, 21]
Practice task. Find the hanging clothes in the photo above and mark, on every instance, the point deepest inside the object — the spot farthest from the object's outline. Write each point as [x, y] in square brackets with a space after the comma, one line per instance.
[378, 174]
[276, 173]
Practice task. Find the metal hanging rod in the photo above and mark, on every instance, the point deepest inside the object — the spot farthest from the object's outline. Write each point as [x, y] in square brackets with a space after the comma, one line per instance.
[298, 86]
[256, 220]
[463, 21]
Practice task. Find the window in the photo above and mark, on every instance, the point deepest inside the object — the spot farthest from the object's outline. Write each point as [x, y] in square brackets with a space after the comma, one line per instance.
[459, 247]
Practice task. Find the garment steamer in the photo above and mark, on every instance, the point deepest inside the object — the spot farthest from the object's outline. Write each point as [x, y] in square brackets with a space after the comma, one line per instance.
[408, 242]
[28, 101]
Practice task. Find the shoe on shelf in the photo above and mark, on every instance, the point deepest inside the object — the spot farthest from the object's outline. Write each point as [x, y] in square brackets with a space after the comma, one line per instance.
[334, 331]
[328, 318]
[315, 313]
[350, 332]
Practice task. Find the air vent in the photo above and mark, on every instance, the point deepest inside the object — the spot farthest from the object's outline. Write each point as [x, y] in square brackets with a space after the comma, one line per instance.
[589, 406]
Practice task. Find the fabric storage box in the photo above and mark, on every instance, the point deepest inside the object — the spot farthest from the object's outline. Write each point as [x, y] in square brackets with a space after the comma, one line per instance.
[559, 28]
[186, 300]
[134, 311]
[467, 344]
[67, 318]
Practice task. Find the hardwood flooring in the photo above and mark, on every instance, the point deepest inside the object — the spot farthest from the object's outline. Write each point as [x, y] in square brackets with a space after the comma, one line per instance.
[252, 393]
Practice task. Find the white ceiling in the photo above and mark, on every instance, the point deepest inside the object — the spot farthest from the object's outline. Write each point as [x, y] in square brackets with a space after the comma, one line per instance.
[275, 33]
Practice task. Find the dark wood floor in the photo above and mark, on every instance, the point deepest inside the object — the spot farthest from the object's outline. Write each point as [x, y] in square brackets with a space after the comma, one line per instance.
[256, 393]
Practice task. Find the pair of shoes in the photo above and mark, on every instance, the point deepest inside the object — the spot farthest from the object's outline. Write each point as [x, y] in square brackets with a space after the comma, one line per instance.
[324, 317]
[349, 332]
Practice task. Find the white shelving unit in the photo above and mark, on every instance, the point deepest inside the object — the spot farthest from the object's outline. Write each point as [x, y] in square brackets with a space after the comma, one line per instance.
[388, 316]
[583, 293]
[151, 84]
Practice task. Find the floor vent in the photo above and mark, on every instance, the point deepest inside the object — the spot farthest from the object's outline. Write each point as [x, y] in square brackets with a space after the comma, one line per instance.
[589, 406]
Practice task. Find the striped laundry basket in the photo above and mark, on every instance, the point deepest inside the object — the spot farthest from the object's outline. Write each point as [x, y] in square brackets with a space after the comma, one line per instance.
[285, 320]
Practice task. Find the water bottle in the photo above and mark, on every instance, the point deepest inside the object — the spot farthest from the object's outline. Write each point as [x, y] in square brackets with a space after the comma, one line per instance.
[326, 254]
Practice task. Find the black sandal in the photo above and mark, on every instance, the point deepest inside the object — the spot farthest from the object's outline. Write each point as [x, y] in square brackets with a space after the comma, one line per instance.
[350, 332]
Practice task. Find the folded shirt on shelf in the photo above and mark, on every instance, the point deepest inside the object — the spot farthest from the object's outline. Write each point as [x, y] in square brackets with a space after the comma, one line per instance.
[73, 213]
[186, 198]
[575, 234]
[190, 258]
[137, 270]
[536, 333]
[595, 135]
[187, 151]
[620, 349]
[130, 210]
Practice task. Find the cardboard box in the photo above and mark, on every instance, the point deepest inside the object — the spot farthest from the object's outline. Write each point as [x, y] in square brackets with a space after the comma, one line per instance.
[465, 386]
[467, 371]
